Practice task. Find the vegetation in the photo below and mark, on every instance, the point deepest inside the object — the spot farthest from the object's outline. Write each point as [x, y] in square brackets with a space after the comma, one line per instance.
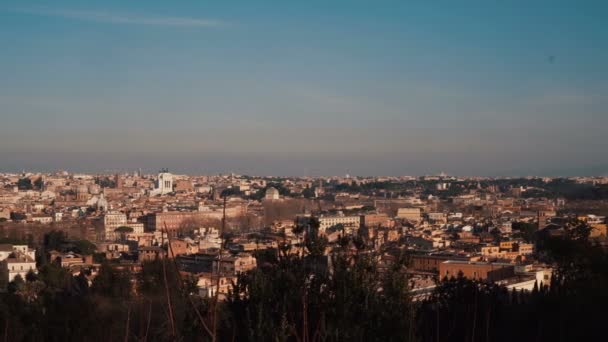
[39, 183]
[58, 241]
[124, 229]
[105, 182]
[352, 296]
[25, 184]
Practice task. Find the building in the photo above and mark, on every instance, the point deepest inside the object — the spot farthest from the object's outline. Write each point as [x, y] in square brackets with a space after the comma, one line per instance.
[19, 265]
[210, 238]
[6, 250]
[430, 263]
[376, 220]
[517, 246]
[5, 214]
[175, 220]
[43, 219]
[16, 260]
[164, 184]
[207, 285]
[82, 193]
[485, 271]
[438, 217]
[272, 194]
[70, 259]
[492, 252]
[111, 221]
[183, 185]
[151, 254]
[410, 214]
[235, 264]
[138, 228]
[350, 223]
[180, 247]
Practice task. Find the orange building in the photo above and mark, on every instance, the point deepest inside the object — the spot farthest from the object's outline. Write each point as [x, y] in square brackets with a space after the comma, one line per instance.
[430, 263]
[485, 271]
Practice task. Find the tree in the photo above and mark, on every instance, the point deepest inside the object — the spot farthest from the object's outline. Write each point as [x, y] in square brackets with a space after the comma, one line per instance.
[54, 240]
[31, 276]
[84, 247]
[16, 284]
[308, 192]
[112, 282]
[39, 183]
[526, 230]
[24, 184]
[124, 229]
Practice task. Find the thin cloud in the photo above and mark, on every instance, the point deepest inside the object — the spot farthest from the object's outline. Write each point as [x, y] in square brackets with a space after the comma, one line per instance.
[114, 18]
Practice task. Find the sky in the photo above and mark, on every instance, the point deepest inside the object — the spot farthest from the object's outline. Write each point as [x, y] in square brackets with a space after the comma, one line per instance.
[305, 88]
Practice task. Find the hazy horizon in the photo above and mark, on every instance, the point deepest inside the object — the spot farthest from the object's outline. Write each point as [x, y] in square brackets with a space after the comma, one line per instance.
[305, 89]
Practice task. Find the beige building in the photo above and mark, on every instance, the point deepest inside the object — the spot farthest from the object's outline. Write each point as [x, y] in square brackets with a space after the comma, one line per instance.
[111, 221]
[410, 214]
[350, 223]
[19, 265]
[16, 260]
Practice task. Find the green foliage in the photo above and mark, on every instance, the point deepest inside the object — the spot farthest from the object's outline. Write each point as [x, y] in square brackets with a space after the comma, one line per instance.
[31, 276]
[353, 296]
[84, 247]
[465, 310]
[24, 184]
[105, 182]
[293, 299]
[16, 284]
[525, 230]
[55, 240]
[99, 257]
[58, 240]
[308, 193]
[38, 183]
[231, 192]
[12, 241]
[54, 276]
[124, 229]
[111, 282]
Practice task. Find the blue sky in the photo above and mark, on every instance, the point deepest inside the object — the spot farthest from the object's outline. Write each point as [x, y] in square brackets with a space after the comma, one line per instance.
[306, 87]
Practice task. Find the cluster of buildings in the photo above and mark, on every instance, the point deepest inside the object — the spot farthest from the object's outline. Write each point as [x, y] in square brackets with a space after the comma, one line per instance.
[449, 226]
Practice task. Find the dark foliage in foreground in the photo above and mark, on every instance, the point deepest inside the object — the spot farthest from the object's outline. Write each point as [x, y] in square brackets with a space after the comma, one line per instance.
[296, 298]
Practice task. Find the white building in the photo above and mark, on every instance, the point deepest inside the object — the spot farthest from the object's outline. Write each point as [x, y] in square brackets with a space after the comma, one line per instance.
[111, 221]
[7, 249]
[164, 184]
[44, 219]
[16, 260]
[210, 238]
[19, 265]
[350, 223]
[272, 194]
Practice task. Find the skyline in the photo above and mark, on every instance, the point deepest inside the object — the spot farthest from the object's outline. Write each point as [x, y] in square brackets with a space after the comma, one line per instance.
[305, 89]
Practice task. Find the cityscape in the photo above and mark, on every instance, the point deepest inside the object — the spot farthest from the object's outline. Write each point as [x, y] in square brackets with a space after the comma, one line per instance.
[314, 171]
[219, 233]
